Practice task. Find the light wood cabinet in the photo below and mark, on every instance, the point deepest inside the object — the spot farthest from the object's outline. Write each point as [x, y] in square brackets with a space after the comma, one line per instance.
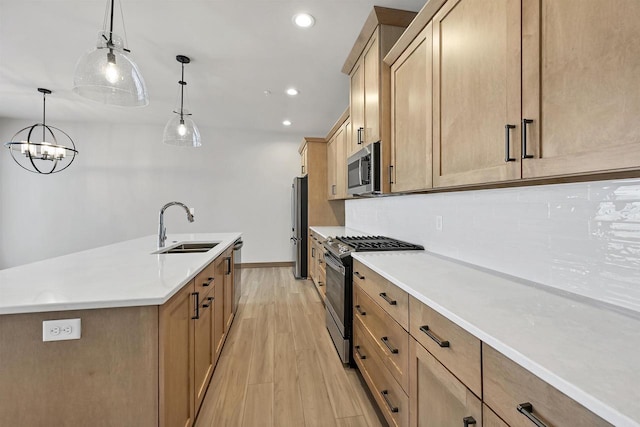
[337, 143]
[581, 73]
[438, 399]
[218, 307]
[317, 266]
[228, 289]
[370, 93]
[454, 347]
[518, 396]
[411, 116]
[490, 419]
[304, 162]
[476, 86]
[203, 353]
[176, 342]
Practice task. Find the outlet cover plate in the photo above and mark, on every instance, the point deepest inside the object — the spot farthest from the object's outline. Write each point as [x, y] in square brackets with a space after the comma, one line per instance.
[61, 329]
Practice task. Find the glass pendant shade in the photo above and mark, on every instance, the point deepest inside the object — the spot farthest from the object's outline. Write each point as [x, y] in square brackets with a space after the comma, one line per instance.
[106, 74]
[183, 133]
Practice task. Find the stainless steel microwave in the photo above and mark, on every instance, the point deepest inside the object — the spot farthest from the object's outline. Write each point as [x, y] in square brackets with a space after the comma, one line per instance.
[363, 171]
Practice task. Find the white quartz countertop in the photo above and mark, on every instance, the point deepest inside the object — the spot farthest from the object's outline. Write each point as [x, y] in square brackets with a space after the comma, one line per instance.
[587, 350]
[118, 275]
[333, 231]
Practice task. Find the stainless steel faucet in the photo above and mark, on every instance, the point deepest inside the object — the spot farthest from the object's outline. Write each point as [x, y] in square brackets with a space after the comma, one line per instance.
[162, 231]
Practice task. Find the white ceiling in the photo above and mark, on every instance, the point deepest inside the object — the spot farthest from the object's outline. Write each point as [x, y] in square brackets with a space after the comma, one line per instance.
[239, 49]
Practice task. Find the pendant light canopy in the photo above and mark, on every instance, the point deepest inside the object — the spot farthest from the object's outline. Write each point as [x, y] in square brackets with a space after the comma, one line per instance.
[53, 153]
[107, 74]
[181, 130]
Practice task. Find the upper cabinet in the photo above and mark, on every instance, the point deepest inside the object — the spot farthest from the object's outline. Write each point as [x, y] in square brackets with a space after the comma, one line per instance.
[411, 108]
[370, 82]
[304, 169]
[338, 142]
[476, 92]
[580, 80]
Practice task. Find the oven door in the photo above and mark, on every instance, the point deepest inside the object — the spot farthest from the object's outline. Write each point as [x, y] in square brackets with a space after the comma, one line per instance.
[336, 290]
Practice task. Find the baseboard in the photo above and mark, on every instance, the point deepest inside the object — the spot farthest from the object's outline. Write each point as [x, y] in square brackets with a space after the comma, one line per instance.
[266, 264]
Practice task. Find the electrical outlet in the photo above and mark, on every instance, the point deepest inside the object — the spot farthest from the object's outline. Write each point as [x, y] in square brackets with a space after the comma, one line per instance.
[62, 329]
[439, 223]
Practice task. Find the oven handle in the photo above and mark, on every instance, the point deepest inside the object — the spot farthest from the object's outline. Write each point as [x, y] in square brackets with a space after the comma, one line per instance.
[336, 265]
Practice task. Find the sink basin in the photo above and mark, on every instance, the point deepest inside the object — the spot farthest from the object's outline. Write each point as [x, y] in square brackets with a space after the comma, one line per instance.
[188, 248]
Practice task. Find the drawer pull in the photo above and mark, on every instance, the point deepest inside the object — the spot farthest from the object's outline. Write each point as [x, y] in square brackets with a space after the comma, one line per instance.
[526, 409]
[208, 282]
[360, 312]
[507, 132]
[209, 299]
[385, 394]
[196, 305]
[387, 299]
[469, 421]
[320, 283]
[358, 275]
[385, 340]
[431, 335]
[360, 355]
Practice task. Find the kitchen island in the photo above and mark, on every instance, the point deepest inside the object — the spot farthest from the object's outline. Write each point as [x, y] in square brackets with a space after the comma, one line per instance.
[132, 349]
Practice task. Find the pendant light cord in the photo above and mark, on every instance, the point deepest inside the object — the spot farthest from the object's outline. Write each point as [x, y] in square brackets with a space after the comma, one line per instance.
[44, 114]
[182, 85]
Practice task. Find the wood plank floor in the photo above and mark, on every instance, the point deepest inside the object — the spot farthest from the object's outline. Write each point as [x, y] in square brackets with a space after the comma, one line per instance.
[279, 367]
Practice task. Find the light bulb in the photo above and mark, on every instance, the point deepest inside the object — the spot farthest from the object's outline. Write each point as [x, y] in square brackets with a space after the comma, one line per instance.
[111, 72]
[182, 129]
[304, 20]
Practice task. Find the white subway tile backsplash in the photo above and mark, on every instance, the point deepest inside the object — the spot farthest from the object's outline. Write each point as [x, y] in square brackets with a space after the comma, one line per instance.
[579, 237]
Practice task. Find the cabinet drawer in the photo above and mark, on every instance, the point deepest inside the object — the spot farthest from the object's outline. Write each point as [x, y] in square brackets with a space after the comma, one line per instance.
[507, 386]
[391, 298]
[455, 348]
[438, 399]
[204, 279]
[391, 399]
[392, 341]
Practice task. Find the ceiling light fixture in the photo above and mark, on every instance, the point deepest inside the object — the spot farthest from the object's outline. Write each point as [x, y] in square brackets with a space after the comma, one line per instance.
[42, 157]
[106, 73]
[292, 91]
[286, 122]
[304, 20]
[180, 129]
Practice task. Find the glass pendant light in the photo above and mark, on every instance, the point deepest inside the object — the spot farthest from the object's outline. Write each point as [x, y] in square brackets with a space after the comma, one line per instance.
[181, 130]
[45, 156]
[107, 74]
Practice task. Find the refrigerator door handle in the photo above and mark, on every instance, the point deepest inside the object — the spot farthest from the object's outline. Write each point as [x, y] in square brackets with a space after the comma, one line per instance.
[293, 207]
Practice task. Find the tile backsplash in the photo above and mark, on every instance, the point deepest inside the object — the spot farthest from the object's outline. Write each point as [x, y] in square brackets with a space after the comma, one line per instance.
[581, 237]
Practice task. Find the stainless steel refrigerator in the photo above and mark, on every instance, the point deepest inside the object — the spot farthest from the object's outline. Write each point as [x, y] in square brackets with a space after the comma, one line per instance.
[299, 226]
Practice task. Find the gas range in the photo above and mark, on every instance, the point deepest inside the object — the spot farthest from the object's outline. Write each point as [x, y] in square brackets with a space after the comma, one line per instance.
[343, 246]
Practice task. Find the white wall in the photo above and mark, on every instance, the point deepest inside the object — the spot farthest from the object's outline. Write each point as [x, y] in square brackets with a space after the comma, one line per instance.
[582, 237]
[237, 181]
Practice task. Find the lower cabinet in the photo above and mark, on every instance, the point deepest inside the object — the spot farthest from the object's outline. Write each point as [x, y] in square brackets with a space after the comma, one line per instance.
[438, 399]
[192, 329]
[317, 270]
[490, 419]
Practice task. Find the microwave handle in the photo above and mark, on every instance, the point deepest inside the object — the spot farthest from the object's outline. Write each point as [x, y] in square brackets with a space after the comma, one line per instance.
[360, 170]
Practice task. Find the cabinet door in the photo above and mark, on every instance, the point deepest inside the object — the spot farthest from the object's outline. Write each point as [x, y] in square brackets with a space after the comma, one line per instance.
[344, 144]
[357, 107]
[203, 349]
[581, 74]
[332, 159]
[176, 341]
[218, 307]
[411, 115]
[228, 290]
[371, 62]
[490, 419]
[437, 398]
[476, 77]
[304, 170]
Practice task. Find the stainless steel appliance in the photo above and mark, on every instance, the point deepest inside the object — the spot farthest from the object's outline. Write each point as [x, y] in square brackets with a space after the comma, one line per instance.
[339, 283]
[237, 273]
[299, 226]
[363, 171]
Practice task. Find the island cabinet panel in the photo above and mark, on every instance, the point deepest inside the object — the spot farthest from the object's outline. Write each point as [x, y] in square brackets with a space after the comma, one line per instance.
[109, 377]
[204, 355]
[490, 419]
[519, 397]
[411, 116]
[228, 289]
[218, 307]
[477, 94]
[438, 399]
[581, 73]
[177, 382]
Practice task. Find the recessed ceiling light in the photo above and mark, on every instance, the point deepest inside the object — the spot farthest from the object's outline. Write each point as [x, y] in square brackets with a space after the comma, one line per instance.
[304, 20]
[267, 92]
[292, 91]
[286, 122]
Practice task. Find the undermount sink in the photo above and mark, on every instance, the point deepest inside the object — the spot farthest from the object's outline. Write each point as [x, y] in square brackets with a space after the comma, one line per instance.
[188, 248]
